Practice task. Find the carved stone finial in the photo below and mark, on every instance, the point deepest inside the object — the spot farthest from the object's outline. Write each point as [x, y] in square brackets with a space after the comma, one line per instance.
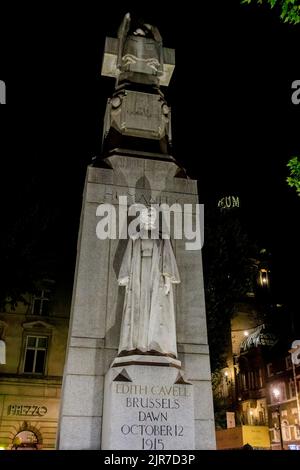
[137, 54]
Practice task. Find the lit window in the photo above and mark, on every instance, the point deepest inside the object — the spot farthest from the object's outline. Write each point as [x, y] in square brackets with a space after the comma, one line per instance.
[278, 392]
[26, 440]
[263, 278]
[260, 379]
[2, 352]
[286, 433]
[276, 435]
[35, 354]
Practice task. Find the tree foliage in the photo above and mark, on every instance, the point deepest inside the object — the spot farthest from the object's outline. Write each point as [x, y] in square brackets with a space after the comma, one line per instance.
[294, 179]
[289, 10]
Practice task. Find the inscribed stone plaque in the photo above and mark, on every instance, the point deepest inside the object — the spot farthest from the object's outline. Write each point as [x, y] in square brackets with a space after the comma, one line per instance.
[142, 112]
[147, 407]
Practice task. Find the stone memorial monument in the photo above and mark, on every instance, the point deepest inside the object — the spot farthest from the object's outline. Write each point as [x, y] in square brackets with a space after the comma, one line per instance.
[137, 372]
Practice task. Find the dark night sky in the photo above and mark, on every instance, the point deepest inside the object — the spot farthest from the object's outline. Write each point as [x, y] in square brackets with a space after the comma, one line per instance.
[234, 124]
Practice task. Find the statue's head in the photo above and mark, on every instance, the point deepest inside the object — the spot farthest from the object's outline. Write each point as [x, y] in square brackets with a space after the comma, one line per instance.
[148, 218]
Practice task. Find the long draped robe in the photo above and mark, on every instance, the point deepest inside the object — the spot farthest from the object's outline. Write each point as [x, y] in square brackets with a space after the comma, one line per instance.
[148, 322]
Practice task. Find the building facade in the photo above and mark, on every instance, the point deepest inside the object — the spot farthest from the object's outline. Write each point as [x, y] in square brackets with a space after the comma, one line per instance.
[283, 385]
[33, 338]
[260, 384]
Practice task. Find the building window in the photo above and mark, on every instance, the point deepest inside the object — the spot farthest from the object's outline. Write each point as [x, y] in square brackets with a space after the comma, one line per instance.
[286, 433]
[261, 415]
[251, 380]
[259, 378]
[281, 390]
[35, 354]
[284, 413]
[292, 389]
[270, 369]
[243, 380]
[275, 435]
[2, 352]
[25, 440]
[40, 303]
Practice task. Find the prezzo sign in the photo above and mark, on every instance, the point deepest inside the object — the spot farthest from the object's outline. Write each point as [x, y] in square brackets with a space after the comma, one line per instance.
[2, 92]
[26, 410]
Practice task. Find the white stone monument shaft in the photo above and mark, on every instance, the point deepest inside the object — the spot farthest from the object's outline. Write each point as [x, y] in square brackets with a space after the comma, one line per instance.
[137, 373]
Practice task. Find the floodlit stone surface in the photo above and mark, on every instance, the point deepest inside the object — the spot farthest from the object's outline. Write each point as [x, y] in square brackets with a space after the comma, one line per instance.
[98, 303]
[146, 409]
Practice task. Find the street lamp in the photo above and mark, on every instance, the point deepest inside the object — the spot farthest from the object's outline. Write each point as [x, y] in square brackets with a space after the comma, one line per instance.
[276, 393]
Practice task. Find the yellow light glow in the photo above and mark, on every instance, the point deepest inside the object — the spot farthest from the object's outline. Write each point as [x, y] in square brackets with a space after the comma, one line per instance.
[246, 333]
[263, 277]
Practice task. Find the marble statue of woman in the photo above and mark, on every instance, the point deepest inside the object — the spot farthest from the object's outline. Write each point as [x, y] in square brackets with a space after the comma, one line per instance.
[148, 271]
